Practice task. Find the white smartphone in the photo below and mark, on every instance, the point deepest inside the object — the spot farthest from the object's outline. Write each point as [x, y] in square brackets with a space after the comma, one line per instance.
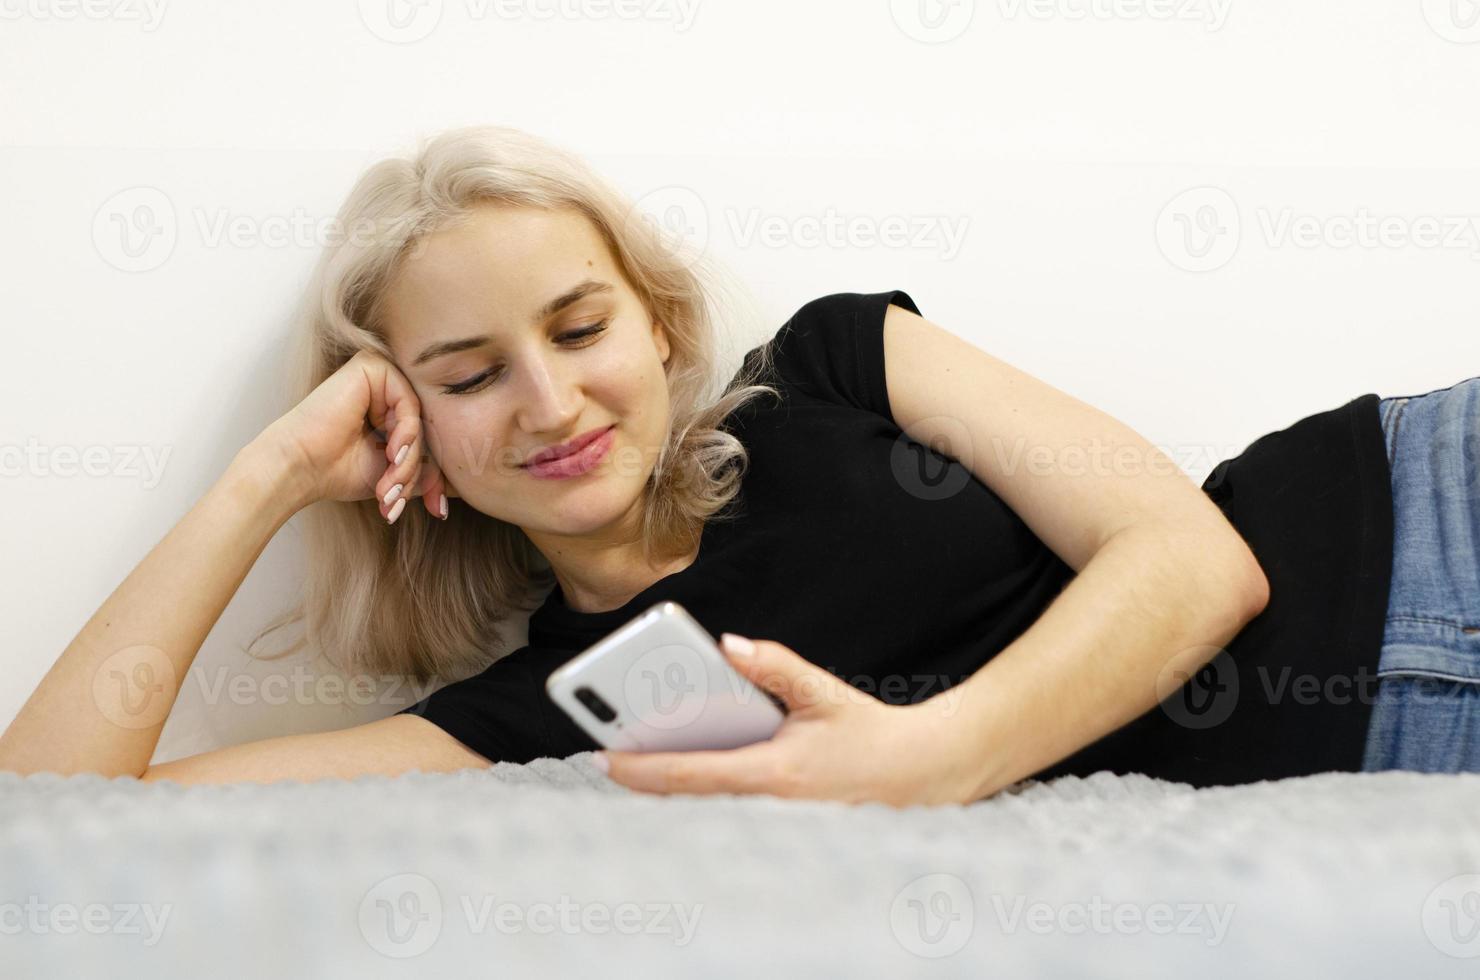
[660, 683]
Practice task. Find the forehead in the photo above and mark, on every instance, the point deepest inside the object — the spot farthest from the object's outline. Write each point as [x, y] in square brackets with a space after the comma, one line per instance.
[489, 274]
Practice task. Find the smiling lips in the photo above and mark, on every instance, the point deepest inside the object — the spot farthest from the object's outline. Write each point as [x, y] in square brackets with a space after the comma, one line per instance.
[573, 458]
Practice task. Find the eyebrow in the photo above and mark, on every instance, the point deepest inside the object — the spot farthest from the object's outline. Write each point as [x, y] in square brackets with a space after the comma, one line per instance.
[587, 287]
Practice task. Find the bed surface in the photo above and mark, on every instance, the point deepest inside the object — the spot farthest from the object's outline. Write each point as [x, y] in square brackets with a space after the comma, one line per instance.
[551, 867]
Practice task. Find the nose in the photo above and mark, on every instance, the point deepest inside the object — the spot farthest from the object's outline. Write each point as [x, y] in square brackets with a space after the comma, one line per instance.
[547, 398]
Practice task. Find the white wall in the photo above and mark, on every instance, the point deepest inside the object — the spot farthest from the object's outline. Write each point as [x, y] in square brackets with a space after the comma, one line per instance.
[1065, 138]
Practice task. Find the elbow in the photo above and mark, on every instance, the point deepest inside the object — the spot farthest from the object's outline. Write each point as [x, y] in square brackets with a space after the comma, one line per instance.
[1255, 587]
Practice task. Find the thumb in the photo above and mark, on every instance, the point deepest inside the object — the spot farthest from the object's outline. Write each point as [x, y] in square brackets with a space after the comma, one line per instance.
[776, 668]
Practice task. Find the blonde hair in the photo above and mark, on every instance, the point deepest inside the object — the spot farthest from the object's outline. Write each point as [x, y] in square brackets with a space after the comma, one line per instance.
[428, 598]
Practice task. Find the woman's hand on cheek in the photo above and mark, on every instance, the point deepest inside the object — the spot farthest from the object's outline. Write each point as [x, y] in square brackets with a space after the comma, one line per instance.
[837, 743]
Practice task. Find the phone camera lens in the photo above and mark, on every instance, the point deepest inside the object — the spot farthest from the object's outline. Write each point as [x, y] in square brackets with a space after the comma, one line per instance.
[595, 704]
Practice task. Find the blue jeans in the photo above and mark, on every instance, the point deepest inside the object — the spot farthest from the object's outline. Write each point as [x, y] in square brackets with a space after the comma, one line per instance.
[1426, 716]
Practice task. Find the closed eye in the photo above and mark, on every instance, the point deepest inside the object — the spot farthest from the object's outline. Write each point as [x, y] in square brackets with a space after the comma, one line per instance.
[481, 381]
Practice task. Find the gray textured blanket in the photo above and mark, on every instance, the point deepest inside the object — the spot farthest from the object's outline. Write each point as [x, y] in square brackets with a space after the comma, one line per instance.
[551, 869]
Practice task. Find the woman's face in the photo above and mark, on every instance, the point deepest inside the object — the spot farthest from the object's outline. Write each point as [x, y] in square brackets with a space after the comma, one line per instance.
[519, 333]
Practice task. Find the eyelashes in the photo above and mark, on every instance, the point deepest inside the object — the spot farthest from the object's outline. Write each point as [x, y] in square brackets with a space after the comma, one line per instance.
[481, 381]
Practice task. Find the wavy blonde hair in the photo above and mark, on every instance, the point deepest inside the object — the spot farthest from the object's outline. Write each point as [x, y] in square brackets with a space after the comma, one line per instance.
[428, 599]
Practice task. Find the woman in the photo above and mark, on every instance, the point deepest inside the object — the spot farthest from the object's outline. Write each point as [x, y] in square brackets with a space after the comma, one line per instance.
[955, 600]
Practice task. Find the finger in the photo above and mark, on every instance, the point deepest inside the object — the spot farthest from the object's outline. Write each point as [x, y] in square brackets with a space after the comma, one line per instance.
[433, 488]
[783, 672]
[743, 770]
[395, 408]
[403, 462]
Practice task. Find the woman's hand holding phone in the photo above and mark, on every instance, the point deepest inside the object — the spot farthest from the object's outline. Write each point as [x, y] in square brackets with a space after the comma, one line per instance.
[835, 743]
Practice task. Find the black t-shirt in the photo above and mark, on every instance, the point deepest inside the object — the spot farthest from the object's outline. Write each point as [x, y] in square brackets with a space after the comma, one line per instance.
[890, 565]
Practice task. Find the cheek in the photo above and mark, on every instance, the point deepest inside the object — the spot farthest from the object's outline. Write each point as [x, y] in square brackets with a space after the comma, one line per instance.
[623, 377]
[464, 438]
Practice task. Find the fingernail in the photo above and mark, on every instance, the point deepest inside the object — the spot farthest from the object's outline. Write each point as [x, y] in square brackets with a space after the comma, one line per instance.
[391, 495]
[396, 511]
[737, 645]
[402, 454]
[444, 506]
[600, 761]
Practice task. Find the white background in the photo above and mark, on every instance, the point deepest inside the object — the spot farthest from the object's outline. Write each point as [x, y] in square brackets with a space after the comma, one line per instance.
[1161, 203]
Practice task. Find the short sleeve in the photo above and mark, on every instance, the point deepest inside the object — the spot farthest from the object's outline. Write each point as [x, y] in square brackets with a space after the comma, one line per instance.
[496, 713]
[832, 349]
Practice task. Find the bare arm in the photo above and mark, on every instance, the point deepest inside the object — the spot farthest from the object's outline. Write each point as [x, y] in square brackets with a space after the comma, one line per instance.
[1153, 605]
[389, 747]
[98, 708]
[1164, 580]
[101, 706]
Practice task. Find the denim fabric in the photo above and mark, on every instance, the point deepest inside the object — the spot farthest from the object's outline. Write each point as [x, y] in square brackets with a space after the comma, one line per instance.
[1426, 716]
